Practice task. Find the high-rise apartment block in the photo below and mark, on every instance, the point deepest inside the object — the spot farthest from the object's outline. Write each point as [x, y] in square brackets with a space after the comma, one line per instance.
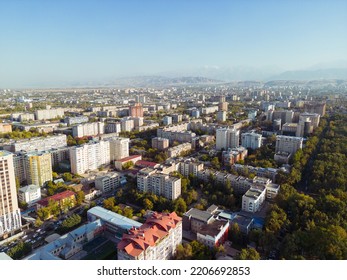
[251, 140]
[108, 182]
[136, 110]
[227, 138]
[10, 219]
[38, 166]
[89, 156]
[119, 148]
[315, 107]
[127, 124]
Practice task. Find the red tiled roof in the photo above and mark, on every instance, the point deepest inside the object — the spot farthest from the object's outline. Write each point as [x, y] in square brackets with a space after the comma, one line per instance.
[155, 228]
[56, 197]
[146, 163]
[129, 158]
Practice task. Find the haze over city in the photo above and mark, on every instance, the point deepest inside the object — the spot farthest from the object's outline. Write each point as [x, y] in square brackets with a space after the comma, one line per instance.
[56, 43]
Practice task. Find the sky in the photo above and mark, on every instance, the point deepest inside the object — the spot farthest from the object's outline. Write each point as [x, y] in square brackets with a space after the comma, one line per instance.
[53, 41]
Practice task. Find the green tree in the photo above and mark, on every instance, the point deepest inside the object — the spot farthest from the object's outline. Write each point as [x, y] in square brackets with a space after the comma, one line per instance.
[248, 254]
[80, 197]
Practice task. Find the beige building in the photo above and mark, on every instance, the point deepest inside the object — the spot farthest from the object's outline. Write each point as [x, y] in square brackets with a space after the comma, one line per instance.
[10, 219]
[5, 127]
[179, 149]
[160, 143]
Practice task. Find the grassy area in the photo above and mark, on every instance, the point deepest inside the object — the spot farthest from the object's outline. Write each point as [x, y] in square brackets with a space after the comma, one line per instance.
[107, 251]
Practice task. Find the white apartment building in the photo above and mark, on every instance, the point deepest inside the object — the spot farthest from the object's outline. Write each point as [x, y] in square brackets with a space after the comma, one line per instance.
[227, 138]
[159, 236]
[167, 120]
[76, 120]
[189, 166]
[89, 156]
[49, 114]
[127, 124]
[10, 219]
[251, 140]
[29, 194]
[209, 110]
[253, 199]
[221, 116]
[149, 180]
[38, 143]
[177, 150]
[107, 183]
[288, 144]
[119, 148]
[88, 129]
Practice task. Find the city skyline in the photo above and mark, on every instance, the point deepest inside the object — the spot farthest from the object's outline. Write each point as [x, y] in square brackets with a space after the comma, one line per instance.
[58, 42]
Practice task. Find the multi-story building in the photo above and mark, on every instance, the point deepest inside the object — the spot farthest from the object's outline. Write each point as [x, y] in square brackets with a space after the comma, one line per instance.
[88, 129]
[214, 234]
[136, 110]
[10, 219]
[194, 219]
[59, 154]
[290, 129]
[119, 148]
[108, 182]
[76, 120]
[221, 116]
[288, 144]
[89, 156]
[315, 107]
[312, 117]
[65, 200]
[112, 127]
[38, 166]
[252, 115]
[285, 116]
[156, 239]
[160, 143]
[167, 120]
[179, 149]
[39, 143]
[29, 194]
[5, 127]
[177, 133]
[26, 117]
[49, 114]
[176, 118]
[113, 223]
[189, 166]
[223, 106]
[127, 124]
[227, 138]
[138, 122]
[251, 140]
[150, 180]
[253, 199]
[231, 156]
[209, 110]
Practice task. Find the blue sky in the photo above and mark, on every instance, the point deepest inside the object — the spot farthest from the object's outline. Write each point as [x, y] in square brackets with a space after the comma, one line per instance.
[58, 40]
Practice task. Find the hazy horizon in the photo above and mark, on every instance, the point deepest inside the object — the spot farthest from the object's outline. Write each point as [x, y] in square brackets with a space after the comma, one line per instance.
[58, 42]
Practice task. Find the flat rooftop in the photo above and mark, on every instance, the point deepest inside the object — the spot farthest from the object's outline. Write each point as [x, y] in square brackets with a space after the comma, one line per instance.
[198, 214]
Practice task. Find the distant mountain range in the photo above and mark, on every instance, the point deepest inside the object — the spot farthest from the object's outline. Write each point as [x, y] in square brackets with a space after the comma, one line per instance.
[332, 73]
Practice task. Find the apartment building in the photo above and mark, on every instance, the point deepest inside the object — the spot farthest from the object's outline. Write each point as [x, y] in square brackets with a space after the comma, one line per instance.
[156, 239]
[89, 156]
[179, 149]
[38, 143]
[108, 182]
[288, 144]
[88, 129]
[160, 143]
[38, 168]
[10, 219]
[150, 180]
[48, 114]
[251, 140]
[227, 138]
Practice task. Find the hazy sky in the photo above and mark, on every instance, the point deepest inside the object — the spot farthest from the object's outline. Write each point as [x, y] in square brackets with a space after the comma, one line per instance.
[58, 40]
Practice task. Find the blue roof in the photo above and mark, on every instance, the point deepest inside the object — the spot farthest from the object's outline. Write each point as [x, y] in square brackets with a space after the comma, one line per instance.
[113, 218]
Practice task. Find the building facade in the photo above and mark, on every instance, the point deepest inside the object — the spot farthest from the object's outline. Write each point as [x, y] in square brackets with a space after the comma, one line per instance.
[251, 140]
[227, 138]
[10, 219]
